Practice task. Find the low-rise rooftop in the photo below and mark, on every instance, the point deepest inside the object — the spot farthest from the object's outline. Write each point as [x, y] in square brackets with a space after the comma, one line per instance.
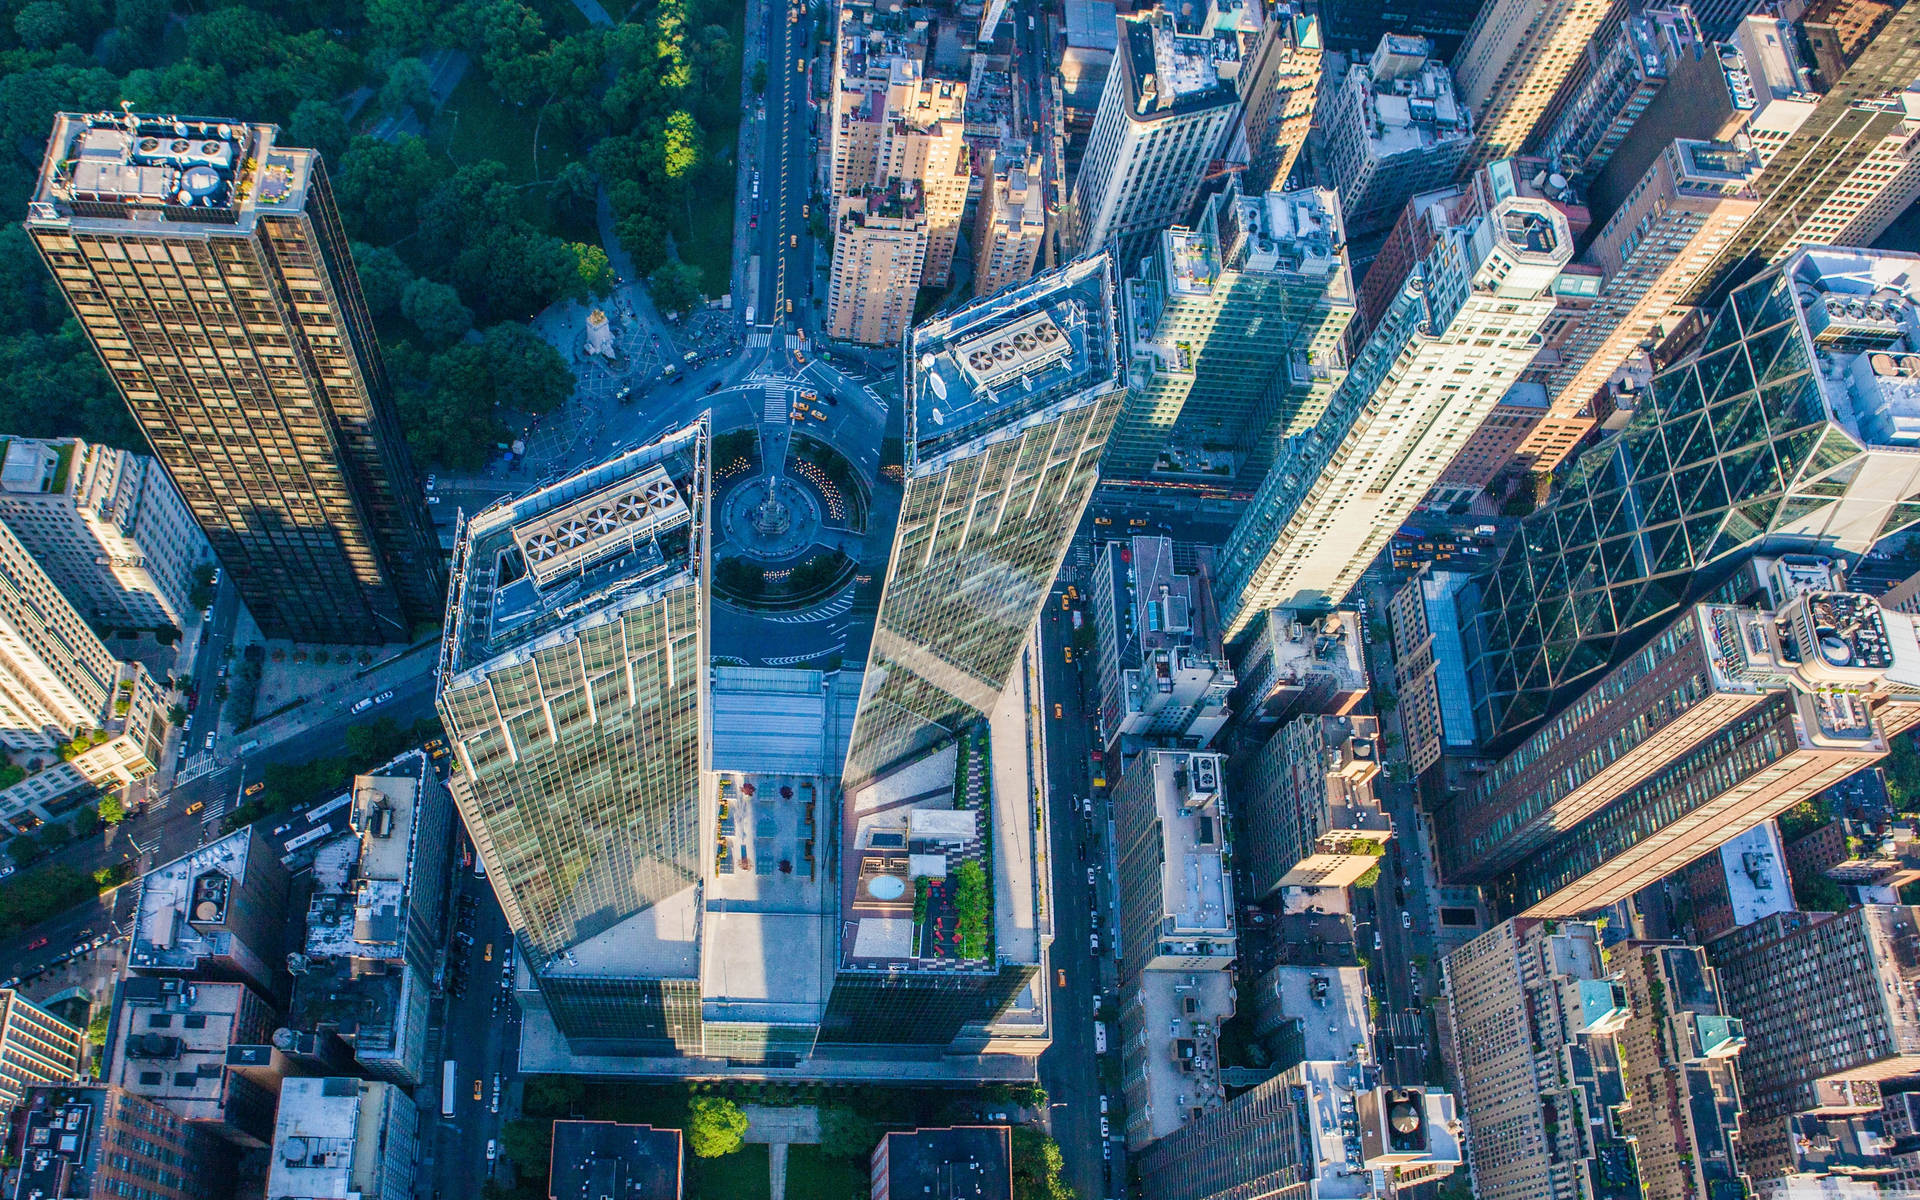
[188, 908]
[1195, 888]
[963, 1162]
[361, 882]
[1170, 1034]
[327, 1139]
[603, 1160]
[1409, 98]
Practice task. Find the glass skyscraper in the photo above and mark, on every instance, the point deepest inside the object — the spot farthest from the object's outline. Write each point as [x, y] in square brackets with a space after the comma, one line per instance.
[1792, 426]
[1233, 334]
[574, 692]
[207, 263]
[1010, 402]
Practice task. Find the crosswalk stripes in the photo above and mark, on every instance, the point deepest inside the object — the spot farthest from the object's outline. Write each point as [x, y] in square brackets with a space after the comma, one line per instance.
[833, 608]
[140, 847]
[759, 339]
[216, 808]
[778, 406]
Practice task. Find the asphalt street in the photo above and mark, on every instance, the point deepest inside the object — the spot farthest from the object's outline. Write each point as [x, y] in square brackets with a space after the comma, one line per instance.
[1069, 1068]
[482, 1038]
[785, 167]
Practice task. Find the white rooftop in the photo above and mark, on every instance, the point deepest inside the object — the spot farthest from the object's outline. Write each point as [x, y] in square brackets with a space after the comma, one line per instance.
[1194, 887]
[1755, 864]
[314, 1138]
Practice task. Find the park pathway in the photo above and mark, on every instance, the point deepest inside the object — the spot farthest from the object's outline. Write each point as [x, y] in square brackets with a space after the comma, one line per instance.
[779, 1128]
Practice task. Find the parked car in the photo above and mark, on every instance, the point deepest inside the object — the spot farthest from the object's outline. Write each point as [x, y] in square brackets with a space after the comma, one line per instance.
[363, 704]
[7, 870]
[1406, 920]
[383, 697]
[36, 943]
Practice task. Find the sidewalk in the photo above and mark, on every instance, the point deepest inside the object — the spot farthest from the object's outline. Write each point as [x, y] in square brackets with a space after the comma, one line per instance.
[778, 1128]
[316, 709]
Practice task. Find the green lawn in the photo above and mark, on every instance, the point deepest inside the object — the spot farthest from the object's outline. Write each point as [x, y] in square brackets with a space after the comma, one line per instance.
[704, 235]
[741, 1175]
[811, 1175]
[476, 124]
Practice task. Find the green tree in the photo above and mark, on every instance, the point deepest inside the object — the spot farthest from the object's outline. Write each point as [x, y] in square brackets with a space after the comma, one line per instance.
[529, 1144]
[233, 38]
[596, 273]
[381, 185]
[321, 125]
[760, 78]
[371, 741]
[527, 373]
[402, 25]
[1902, 770]
[675, 288]
[845, 1133]
[1038, 1167]
[10, 774]
[553, 1095]
[436, 311]
[384, 277]
[680, 145]
[408, 86]
[44, 24]
[1814, 892]
[111, 810]
[574, 194]
[715, 1126]
[971, 907]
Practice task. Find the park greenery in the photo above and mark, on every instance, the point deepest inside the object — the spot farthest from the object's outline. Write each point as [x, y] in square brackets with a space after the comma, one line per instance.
[469, 209]
[972, 909]
[1038, 1167]
[293, 785]
[715, 1126]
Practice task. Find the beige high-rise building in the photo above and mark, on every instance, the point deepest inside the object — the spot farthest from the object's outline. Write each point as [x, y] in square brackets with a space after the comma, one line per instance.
[35, 1047]
[207, 263]
[1515, 59]
[1010, 225]
[1167, 112]
[1460, 332]
[1528, 999]
[895, 132]
[1881, 187]
[1691, 202]
[879, 250]
[1280, 81]
[56, 677]
[107, 526]
[1678, 1047]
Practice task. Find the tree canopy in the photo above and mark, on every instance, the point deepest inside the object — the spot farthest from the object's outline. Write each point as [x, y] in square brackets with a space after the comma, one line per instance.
[472, 221]
[715, 1126]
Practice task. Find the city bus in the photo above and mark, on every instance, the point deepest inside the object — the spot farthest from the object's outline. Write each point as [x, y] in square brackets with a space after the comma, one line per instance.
[446, 1088]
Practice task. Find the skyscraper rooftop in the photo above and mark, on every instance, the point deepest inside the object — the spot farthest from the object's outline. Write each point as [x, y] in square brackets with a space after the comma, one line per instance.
[529, 568]
[115, 167]
[1015, 359]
